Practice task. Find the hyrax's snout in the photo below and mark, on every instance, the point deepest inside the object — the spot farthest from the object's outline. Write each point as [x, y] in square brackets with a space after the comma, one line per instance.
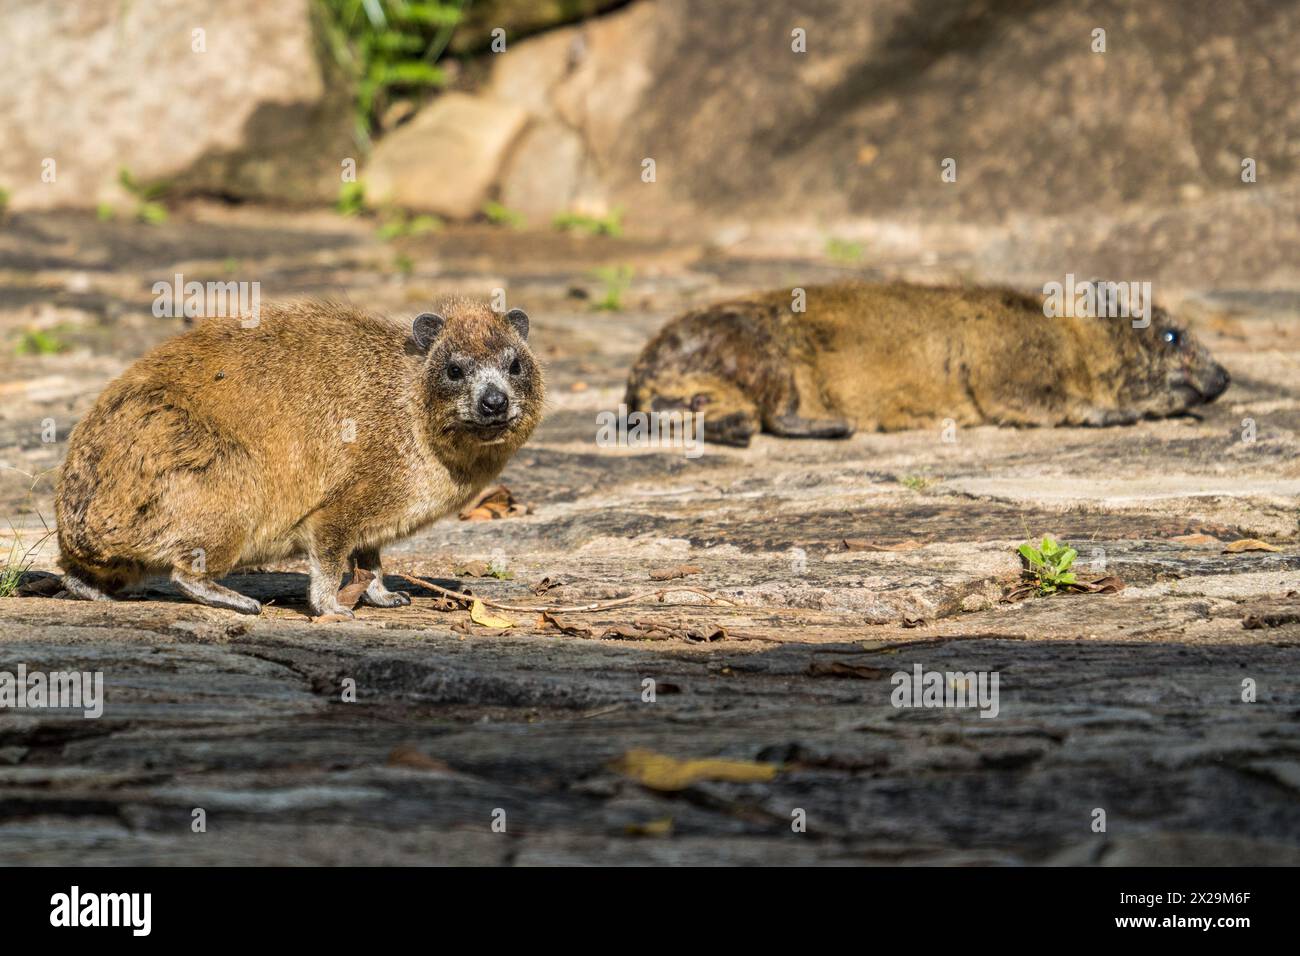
[493, 404]
[1214, 382]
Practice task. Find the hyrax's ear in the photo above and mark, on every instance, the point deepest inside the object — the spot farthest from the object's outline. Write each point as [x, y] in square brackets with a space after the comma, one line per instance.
[518, 320]
[425, 329]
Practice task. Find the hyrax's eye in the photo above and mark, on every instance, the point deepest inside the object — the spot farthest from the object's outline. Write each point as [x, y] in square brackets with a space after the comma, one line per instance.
[516, 367]
[1171, 337]
[455, 372]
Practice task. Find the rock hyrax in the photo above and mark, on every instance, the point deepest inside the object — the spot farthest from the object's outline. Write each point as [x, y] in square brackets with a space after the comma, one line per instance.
[891, 356]
[322, 431]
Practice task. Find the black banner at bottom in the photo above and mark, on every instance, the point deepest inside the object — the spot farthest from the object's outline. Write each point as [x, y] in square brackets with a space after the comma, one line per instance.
[740, 905]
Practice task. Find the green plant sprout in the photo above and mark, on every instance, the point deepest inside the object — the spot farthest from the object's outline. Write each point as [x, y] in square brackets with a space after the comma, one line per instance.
[616, 280]
[390, 47]
[398, 225]
[352, 199]
[500, 215]
[20, 557]
[41, 342]
[844, 250]
[149, 207]
[1048, 566]
[610, 224]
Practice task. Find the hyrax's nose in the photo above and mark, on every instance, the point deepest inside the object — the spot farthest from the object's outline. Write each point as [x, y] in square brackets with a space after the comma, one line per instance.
[1217, 383]
[492, 403]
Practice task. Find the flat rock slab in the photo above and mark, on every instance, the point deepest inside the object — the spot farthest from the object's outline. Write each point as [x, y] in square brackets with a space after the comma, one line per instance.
[828, 568]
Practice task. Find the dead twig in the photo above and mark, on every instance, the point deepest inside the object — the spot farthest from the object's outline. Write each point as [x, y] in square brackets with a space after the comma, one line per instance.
[657, 594]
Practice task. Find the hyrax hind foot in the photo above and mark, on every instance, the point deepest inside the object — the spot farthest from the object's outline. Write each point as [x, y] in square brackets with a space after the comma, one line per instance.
[81, 589]
[375, 594]
[213, 594]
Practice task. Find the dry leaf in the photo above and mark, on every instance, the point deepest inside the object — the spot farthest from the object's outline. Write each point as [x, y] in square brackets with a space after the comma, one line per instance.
[1196, 540]
[350, 595]
[331, 619]
[841, 669]
[1249, 544]
[474, 569]
[545, 584]
[652, 631]
[1104, 585]
[651, 828]
[861, 544]
[578, 387]
[672, 574]
[661, 772]
[628, 632]
[410, 757]
[491, 503]
[566, 627]
[479, 614]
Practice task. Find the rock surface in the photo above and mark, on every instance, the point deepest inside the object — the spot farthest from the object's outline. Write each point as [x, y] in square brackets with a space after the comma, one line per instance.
[1129, 703]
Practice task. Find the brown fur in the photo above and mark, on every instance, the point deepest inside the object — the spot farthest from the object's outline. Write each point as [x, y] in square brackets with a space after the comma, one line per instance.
[229, 442]
[892, 356]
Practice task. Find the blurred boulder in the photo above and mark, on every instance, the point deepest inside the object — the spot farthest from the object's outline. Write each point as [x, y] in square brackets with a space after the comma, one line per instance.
[234, 97]
[444, 160]
[1082, 122]
[580, 88]
[519, 18]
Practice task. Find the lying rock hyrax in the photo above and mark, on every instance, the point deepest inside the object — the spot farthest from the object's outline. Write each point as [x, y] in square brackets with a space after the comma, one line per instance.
[322, 431]
[891, 356]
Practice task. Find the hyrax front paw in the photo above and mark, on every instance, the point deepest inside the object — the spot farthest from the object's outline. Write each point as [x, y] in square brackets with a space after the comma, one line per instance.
[330, 609]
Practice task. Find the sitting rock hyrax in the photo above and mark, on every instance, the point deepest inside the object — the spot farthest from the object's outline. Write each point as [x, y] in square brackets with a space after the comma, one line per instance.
[321, 431]
[891, 356]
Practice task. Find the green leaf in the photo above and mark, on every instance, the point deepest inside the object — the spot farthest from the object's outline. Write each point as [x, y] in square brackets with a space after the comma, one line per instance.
[153, 213]
[1066, 559]
[411, 73]
[352, 198]
[155, 190]
[394, 43]
[424, 224]
[1030, 554]
[393, 228]
[431, 13]
[1066, 578]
